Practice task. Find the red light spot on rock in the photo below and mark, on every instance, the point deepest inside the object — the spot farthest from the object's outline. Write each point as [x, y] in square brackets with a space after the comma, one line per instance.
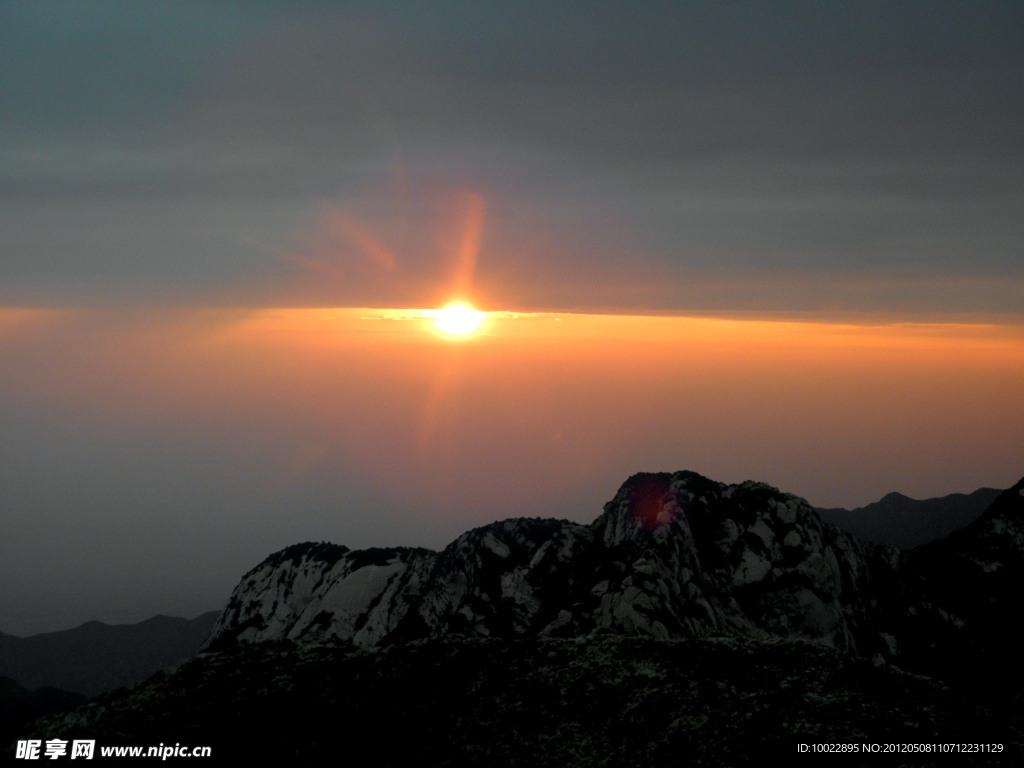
[649, 495]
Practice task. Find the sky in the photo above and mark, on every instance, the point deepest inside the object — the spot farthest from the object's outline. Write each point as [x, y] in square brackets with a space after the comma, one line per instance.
[779, 242]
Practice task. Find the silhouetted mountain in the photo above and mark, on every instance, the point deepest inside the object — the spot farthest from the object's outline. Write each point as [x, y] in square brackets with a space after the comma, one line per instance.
[905, 522]
[19, 706]
[691, 623]
[974, 577]
[97, 657]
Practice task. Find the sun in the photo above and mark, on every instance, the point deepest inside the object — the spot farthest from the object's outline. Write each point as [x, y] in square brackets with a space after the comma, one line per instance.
[458, 319]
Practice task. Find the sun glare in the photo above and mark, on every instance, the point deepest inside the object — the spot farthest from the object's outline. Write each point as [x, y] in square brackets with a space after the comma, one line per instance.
[458, 319]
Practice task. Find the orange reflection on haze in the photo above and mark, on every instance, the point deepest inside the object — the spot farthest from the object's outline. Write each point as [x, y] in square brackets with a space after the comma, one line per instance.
[488, 426]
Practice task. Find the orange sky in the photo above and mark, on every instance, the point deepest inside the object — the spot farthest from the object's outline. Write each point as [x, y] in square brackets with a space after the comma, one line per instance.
[839, 413]
[180, 447]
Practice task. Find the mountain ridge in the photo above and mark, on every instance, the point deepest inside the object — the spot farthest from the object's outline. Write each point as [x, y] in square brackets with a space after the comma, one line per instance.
[672, 555]
[906, 522]
[95, 656]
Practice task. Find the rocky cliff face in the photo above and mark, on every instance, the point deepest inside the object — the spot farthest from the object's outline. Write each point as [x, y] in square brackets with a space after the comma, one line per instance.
[672, 556]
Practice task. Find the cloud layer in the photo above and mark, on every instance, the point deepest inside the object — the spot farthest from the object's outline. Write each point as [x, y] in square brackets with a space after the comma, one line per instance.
[637, 158]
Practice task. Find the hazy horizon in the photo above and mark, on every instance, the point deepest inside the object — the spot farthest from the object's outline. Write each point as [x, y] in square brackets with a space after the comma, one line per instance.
[189, 608]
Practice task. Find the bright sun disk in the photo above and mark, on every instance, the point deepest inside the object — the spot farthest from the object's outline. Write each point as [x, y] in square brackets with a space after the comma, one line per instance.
[458, 319]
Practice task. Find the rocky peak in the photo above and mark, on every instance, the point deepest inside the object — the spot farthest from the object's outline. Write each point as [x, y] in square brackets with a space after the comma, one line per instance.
[672, 555]
[894, 497]
[722, 521]
[645, 502]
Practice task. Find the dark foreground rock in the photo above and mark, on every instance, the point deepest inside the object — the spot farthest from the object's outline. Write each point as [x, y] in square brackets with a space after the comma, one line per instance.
[601, 701]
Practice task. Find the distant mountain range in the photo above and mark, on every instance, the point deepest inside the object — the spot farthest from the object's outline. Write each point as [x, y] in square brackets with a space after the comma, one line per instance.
[713, 619]
[97, 657]
[905, 522]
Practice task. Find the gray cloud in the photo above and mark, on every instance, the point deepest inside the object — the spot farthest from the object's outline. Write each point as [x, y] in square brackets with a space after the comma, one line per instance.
[810, 140]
